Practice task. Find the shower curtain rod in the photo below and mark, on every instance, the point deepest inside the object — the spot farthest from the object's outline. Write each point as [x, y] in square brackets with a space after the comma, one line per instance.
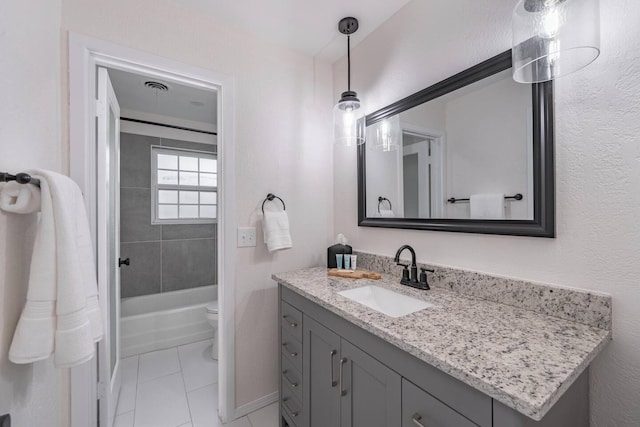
[145, 122]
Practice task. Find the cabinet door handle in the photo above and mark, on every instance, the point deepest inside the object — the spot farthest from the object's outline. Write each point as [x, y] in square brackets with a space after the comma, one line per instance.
[291, 353]
[416, 418]
[333, 382]
[343, 392]
[293, 384]
[292, 324]
[293, 413]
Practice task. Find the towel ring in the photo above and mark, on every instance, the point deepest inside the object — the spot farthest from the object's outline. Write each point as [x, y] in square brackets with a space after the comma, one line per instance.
[382, 199]
[270, 198]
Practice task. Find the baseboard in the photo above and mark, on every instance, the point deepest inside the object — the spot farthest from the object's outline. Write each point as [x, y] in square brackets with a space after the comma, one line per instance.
[248, 408]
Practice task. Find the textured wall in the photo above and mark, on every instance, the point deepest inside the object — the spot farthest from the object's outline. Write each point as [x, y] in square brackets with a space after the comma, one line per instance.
[597, 169]
[34, 394]
[282, 125]
[166, 257]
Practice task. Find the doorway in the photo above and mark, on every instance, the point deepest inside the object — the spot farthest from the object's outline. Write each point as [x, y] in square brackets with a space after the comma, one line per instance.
[87, 56]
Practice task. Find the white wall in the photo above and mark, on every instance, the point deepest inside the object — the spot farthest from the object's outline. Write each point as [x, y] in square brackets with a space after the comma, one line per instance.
[35, 394]
[282, 140]
[597, 169]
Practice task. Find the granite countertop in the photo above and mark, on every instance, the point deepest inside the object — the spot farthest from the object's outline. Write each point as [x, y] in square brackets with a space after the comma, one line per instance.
[524, 359]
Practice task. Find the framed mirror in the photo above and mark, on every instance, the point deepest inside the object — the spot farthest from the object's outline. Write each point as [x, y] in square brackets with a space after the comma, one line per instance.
[472, 153]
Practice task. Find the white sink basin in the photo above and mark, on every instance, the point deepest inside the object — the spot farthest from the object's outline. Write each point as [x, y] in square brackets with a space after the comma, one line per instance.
[385, 301]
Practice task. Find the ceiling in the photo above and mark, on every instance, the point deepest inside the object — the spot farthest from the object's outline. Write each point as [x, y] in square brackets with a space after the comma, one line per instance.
[182, 102]
[308, 26]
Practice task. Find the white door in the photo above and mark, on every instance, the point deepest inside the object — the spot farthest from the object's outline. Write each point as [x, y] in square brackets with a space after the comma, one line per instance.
[108, 150]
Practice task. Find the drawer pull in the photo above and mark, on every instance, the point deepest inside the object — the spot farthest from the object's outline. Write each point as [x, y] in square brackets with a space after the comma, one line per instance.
[291, 353]
[343, 392]
[333, 382]
[292, 324]
[293, 384]
[293, 413]
[416, 418]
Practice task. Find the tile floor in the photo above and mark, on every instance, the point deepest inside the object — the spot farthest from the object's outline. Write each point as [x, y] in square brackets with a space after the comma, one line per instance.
[177, 387]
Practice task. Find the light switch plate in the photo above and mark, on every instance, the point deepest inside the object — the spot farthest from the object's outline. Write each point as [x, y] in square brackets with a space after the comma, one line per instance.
[246, 237]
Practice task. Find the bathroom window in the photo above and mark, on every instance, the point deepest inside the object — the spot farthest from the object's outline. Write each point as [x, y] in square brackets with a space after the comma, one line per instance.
[184, 186]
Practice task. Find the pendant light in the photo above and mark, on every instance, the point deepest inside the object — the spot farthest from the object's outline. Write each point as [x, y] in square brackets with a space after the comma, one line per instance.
[553, 38]
[348, 114]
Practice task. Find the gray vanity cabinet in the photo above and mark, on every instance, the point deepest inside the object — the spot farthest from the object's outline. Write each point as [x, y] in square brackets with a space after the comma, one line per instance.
[321, 393]
[336, 374]
[343, 385]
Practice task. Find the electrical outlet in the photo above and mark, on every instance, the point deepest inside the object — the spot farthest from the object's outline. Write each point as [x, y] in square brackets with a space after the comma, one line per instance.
[246, 237]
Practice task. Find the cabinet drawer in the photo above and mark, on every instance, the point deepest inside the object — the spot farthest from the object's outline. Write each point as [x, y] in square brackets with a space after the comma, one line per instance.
[291, 378]
[292, 350]
[291, 320]
[419, 408]
[291, 406]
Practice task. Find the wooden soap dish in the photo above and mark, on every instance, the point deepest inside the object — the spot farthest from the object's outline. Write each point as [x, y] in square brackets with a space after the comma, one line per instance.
[354, 274]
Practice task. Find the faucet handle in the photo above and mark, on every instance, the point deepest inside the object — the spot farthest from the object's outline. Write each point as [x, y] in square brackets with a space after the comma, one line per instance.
[423, 277]
[405, 270]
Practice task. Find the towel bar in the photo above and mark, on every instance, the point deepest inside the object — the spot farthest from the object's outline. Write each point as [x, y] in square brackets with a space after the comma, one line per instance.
[270, 198]
[514, 197]
[22, 178]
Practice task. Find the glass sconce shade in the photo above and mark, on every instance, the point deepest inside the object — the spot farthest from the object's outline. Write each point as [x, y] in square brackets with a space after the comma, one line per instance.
[385, 135]
[553, 38]
[348, 121]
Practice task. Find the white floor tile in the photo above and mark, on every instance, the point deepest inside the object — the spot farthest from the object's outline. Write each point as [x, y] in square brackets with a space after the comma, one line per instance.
[127, 399]
[186, 425]
[198, 368]
[129, 370]
[124, 420]
[162, 402]
[158, 364]
[265, 417]
[204, 409]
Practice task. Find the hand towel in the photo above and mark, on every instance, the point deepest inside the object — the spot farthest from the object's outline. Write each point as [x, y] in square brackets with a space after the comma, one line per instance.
[487, 206]
[275, 226]
[61, 316]
[19, 198]
[388, 213]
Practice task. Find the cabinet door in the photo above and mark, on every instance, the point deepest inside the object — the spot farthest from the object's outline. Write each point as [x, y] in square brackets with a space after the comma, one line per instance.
[371, 392]
[419, 408]
[321, 348]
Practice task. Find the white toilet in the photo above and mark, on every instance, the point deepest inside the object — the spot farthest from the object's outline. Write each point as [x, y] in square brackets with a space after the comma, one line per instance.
[212, 317]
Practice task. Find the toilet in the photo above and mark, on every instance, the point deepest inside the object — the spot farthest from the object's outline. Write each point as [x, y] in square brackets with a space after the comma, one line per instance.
[212, 317]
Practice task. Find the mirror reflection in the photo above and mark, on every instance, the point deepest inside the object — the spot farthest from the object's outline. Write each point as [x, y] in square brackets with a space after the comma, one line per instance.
[465, 155]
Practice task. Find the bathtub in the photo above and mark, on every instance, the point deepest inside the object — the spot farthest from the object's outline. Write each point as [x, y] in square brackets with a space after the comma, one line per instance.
[169, 319]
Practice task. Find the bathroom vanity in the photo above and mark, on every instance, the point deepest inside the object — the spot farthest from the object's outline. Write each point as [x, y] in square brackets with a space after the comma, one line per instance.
[465, 361]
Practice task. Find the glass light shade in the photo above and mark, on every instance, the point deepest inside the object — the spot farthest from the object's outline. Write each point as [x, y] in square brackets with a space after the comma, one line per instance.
[553, 38]
[385, 135]
[348, 121]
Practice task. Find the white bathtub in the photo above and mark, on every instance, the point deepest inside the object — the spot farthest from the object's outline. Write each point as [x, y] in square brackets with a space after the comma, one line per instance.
[169, 319]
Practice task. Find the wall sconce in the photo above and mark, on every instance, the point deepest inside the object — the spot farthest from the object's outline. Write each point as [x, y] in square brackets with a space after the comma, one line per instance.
[348, 114]
[553, 38]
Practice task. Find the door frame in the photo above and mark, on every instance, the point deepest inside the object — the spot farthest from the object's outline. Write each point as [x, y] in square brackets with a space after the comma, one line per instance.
[85, 55]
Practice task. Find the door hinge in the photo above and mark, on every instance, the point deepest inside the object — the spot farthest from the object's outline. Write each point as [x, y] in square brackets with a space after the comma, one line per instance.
[99, 108]
[101, 390]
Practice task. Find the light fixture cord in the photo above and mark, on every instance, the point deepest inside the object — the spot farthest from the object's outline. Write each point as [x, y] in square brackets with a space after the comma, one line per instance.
[349, 62]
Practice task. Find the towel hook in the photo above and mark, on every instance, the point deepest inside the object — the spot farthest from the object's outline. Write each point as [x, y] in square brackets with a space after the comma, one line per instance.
[270, 198]
[382, 199]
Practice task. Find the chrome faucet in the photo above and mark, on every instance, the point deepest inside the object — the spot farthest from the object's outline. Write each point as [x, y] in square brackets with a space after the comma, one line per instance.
[410, 278]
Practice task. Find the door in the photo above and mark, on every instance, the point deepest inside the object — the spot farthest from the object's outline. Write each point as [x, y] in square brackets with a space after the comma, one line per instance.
[321, 350]
[370, 391]
[108, 149]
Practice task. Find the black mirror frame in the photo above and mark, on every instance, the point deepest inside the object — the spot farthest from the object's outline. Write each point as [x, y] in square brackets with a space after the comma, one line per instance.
[543, 223]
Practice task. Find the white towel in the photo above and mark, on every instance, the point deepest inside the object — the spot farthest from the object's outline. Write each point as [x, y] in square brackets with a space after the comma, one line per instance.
[275, 226]
[61, 315]
[19, 198]
[487, 206]
[388, 213]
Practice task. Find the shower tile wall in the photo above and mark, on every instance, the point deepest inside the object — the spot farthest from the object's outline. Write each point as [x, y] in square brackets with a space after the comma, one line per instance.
[163, 257]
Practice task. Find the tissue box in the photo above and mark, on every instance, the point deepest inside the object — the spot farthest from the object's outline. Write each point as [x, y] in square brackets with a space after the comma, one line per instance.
[336, 249]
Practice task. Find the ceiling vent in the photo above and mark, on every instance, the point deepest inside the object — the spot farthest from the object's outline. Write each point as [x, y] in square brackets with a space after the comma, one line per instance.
[156, 85]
